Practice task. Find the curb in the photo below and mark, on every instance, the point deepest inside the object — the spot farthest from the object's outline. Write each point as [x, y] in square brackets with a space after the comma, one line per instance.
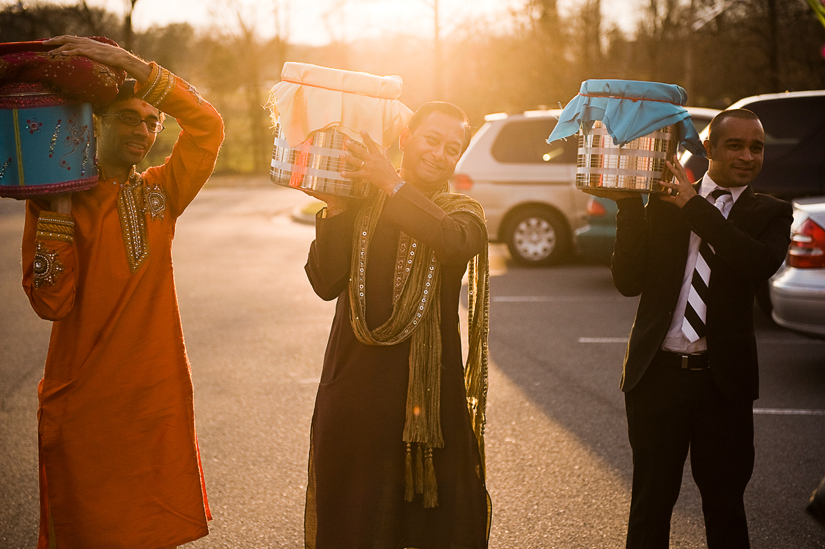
[306, 213]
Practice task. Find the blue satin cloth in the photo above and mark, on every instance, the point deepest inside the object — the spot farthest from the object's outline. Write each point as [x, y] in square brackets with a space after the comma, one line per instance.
[629, 109]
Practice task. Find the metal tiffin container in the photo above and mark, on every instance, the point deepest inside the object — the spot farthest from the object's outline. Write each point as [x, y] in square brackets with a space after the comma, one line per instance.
[626, 131]
[315, 164]
[635, 166]
[316, 111]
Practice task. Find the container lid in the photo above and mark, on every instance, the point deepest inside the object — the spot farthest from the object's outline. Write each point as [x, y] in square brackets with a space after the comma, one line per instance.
[76, 76]
[629, 109]
[310, 98]
[29, 95]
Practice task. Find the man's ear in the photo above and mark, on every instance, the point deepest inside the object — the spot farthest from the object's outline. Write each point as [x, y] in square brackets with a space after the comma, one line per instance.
[402, 140]
[708, 148]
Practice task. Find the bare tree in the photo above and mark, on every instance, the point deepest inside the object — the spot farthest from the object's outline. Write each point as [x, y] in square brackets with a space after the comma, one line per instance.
[773, 43]
[588, 18]
[22, 22]
[249, 63]
[335, 23]
[438, 62]
[94, 26]
[128, 33]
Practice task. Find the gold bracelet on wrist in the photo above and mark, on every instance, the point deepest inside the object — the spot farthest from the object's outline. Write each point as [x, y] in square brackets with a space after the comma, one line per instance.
[162, 83]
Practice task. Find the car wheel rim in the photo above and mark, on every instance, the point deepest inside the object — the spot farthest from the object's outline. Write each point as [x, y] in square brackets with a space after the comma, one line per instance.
[534, 238]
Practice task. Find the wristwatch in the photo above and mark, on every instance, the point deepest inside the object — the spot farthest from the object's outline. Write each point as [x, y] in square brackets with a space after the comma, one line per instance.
[397, 188]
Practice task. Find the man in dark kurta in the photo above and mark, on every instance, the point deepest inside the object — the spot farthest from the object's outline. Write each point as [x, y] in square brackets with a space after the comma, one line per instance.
[356, 493]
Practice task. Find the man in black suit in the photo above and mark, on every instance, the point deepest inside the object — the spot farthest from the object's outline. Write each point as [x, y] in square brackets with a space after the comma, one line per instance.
[690, 372]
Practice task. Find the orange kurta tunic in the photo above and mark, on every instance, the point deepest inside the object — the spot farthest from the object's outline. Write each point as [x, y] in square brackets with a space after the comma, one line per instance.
[119, 461]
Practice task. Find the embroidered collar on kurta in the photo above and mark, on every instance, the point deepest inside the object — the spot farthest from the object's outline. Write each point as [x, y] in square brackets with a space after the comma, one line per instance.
[134, 201]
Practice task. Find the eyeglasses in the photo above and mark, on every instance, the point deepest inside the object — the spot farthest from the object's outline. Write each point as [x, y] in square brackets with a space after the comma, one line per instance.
[129, 119]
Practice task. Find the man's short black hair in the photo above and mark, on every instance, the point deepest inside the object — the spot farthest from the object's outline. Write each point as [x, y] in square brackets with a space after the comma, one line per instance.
[124, 93]
[443, 107]
[713, 132]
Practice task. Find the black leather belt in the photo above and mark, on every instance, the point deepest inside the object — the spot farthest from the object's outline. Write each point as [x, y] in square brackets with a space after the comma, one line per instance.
[698, 361]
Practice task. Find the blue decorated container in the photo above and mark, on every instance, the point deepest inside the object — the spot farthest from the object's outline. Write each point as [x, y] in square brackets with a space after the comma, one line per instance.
[47, 143]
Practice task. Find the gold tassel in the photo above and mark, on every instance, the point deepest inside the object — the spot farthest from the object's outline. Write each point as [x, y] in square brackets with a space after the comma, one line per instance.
[408, 476]
[430, 483]
[419, 471]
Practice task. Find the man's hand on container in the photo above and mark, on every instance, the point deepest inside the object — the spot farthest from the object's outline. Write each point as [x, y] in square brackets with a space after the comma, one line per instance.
[372, 164]
[107, 54]
[681, 190]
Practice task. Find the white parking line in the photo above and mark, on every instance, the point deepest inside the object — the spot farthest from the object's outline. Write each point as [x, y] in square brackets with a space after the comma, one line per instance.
[552, 299]
[775, 341]
[602, 340]
[788, 341]
[787, 412]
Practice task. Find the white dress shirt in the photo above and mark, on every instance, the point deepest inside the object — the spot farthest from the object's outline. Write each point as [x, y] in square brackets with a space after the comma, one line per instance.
[675, 341]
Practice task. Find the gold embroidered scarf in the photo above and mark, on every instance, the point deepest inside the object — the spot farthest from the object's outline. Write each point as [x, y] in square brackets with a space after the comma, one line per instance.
[417, 315]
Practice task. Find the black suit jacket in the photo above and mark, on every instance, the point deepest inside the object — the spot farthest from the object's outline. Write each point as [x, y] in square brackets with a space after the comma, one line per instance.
[649, 259]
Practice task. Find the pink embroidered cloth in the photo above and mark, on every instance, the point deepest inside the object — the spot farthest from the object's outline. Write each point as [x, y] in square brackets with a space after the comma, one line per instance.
[76, 76]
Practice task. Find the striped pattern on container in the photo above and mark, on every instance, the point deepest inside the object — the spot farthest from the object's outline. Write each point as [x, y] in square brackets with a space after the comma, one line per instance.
[638, 165]
[315, 165]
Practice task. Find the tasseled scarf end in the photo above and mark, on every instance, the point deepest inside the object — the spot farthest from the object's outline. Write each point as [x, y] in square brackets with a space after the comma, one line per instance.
[409, 492]
[420, 479]
[430, 483]
[419, 470]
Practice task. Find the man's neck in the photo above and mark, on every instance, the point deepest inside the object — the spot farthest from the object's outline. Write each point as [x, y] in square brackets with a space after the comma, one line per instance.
[708, 184]
[419, 185]
[117, 172]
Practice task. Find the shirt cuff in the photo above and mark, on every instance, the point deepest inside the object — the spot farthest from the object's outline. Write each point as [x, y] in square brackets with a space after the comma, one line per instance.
[157, 87]
[55, 226]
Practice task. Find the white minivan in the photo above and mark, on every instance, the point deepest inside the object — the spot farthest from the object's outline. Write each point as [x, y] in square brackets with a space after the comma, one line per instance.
[527, 187]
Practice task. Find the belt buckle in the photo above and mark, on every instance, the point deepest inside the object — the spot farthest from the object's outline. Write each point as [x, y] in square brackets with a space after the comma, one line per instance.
[685, 363]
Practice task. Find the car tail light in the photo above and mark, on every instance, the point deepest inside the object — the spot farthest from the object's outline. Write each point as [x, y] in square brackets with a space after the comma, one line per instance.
[807, 249]
[690, 175]
[595, 208]
[462, 182]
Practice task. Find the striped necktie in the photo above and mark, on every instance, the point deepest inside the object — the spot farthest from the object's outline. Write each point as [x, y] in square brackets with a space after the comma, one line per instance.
[693, 325]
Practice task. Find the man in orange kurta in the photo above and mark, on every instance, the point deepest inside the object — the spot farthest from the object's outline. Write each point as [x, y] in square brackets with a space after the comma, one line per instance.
[119, 461]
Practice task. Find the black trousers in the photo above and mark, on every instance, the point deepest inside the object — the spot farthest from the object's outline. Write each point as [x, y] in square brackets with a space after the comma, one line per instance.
[672, 412]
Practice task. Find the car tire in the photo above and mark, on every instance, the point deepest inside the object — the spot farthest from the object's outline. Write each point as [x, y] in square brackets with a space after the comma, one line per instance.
[537, 237]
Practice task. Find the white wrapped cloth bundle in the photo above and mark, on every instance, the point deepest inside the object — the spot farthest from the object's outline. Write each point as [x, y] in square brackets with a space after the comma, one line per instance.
[315, 110]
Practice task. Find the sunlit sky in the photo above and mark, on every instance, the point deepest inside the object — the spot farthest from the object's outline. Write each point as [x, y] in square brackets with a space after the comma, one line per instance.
[318, 22]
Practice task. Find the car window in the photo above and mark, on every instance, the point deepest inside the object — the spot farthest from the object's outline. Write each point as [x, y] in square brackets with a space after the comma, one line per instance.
[525, 141]
[788, 123]
[700, 122]
[794, 141]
